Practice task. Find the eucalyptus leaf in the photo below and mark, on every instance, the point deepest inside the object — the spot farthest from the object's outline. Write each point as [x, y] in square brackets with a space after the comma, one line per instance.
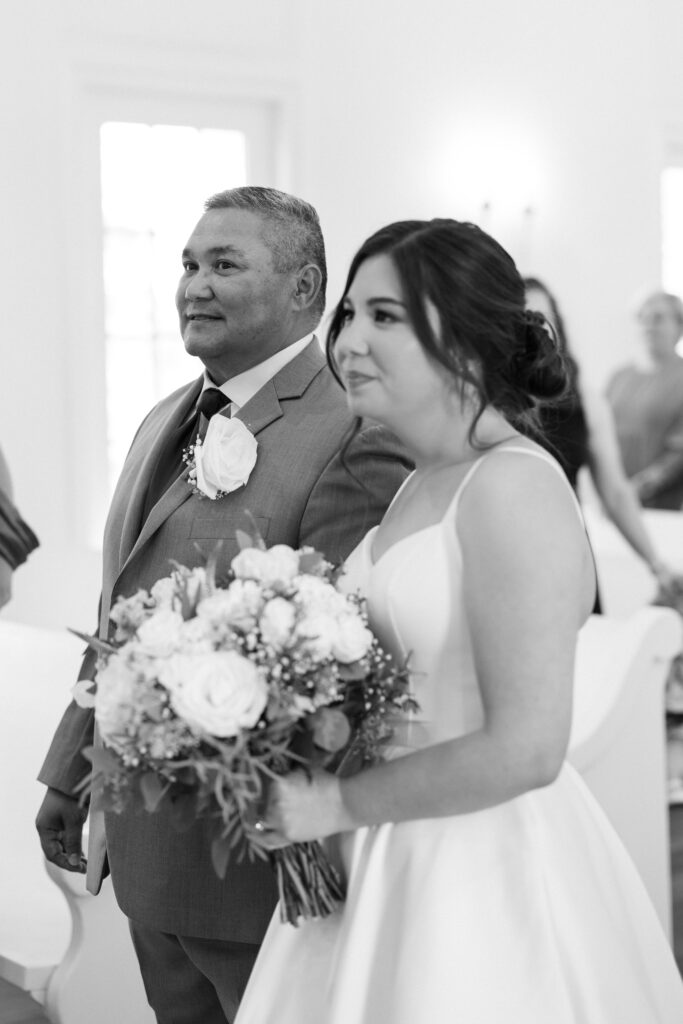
[152, 789]
[220, 855]
[244, 540]
[257, 539]
[103, 646]
[103, 760]
[309, 561]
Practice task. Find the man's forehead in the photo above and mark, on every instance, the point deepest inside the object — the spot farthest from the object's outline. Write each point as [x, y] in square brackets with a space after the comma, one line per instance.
[229, 231]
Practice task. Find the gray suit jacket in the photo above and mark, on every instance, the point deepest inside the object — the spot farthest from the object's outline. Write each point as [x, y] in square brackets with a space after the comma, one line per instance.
[299, 492]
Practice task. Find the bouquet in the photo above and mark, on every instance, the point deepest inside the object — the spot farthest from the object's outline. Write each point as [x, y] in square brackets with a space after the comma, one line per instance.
[206, 692]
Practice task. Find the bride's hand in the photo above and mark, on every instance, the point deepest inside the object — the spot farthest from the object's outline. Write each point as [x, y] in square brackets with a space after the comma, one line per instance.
[301, 808]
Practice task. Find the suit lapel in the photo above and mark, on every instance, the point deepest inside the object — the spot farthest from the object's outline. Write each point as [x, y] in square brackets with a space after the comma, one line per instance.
[258, 413]
[134, 535]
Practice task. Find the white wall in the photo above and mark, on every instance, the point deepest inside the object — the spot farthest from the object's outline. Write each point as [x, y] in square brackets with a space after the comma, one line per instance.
[393, 110]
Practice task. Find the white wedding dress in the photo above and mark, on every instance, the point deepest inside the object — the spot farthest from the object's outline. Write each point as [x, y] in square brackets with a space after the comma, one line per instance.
[530, 912]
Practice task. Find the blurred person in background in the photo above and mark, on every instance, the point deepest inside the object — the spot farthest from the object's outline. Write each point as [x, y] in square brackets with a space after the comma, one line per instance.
[579, 432]
[17, 539]
[647, 404]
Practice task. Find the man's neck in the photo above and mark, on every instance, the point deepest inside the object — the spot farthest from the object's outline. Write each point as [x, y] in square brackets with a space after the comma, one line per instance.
[240, 387]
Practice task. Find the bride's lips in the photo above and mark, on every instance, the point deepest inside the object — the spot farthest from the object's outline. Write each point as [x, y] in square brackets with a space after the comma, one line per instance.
[355, 379]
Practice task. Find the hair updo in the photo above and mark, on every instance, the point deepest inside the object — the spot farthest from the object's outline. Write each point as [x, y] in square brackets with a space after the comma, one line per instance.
[541, 366]
[488, 342]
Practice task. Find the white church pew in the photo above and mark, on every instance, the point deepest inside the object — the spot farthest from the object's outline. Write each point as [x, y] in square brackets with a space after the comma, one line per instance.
[618, 733]
[70, 950]
[626, 583]
[97, 979]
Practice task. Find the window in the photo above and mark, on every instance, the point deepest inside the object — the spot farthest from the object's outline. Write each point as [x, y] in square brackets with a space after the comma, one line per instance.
[154, 180]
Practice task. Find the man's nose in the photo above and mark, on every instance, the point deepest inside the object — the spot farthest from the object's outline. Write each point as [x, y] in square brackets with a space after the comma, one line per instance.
[198, 286]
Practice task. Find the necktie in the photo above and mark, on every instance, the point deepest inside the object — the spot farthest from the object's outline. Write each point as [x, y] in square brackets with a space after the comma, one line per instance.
[210, 402]
[170, 463]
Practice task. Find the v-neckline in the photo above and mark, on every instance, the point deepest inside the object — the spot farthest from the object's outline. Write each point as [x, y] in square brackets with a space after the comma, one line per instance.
[397, 543]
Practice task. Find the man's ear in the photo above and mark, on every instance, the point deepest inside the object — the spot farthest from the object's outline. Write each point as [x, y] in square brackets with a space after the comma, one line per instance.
[308, 283]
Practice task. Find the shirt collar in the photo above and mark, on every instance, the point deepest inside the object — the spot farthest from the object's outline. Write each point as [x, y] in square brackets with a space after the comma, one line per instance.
[241, 388]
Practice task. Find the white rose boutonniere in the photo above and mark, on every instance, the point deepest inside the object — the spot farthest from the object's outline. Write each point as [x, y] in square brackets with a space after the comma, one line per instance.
[223, 461]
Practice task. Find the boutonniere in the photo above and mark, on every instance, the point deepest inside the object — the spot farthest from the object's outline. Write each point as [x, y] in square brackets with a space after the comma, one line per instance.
[223, 461]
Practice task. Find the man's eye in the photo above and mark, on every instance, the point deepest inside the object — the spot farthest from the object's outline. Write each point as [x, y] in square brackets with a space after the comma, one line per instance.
[189, 265]
[224, 265]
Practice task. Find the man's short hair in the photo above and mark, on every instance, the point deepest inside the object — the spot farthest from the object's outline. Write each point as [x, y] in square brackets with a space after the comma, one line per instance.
[293, 228]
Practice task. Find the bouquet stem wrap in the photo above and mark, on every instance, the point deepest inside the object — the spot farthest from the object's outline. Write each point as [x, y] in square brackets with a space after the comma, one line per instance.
[308, 885]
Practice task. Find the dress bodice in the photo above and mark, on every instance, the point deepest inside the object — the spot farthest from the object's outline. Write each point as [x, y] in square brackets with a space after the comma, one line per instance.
[416, 607]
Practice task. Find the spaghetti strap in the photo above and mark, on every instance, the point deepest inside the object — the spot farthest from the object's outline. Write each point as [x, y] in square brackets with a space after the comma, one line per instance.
[517, 449]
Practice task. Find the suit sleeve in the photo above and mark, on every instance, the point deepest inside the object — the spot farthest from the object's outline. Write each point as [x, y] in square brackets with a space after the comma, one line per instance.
[17, 539]
[64, 765]
[353, 492]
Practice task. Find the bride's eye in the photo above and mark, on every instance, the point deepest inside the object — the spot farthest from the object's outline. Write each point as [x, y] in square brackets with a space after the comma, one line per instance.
[383, 316]
[346, 316]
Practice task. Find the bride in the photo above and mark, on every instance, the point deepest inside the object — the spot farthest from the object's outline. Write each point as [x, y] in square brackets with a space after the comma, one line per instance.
[484, 882]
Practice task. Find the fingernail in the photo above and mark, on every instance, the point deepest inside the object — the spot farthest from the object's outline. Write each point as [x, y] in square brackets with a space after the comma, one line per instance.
[74, 859]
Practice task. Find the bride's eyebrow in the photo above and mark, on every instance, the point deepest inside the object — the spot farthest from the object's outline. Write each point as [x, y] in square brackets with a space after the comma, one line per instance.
[383, 299]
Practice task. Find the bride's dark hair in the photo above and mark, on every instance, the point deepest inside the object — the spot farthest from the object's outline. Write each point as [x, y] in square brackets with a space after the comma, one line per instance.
[490, 345]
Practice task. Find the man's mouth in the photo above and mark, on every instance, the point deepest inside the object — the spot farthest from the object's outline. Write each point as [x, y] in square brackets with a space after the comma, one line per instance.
[201, 316]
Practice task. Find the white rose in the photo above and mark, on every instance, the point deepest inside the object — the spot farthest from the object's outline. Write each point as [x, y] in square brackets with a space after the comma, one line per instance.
[319, 631]
[236, 607]
[221, 693]
[281, 564]
[317, 595]
[165, 592]
[116, 699]
[353, 640]
[225, 459]
[175, 671]
[277, 566]
[249, 564]
[158, 635]
[276, 622]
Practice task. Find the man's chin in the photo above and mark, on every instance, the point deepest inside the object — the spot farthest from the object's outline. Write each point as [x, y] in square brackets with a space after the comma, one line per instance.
[197, 343]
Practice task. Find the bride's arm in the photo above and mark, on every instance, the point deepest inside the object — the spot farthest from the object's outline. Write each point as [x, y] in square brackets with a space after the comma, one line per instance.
[527, 589]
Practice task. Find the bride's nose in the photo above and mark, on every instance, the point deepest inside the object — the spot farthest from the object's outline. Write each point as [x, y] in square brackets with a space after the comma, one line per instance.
[351, 342]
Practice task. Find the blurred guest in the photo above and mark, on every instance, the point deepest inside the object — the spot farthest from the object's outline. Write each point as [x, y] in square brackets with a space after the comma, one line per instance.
[17, 539]
[579, 432]
[647, 403]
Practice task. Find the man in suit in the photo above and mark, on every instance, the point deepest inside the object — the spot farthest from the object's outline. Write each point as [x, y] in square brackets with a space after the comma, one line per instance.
[251, 293]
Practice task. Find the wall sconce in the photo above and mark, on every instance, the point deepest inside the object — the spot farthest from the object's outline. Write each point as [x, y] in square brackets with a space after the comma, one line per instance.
[513, 226]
